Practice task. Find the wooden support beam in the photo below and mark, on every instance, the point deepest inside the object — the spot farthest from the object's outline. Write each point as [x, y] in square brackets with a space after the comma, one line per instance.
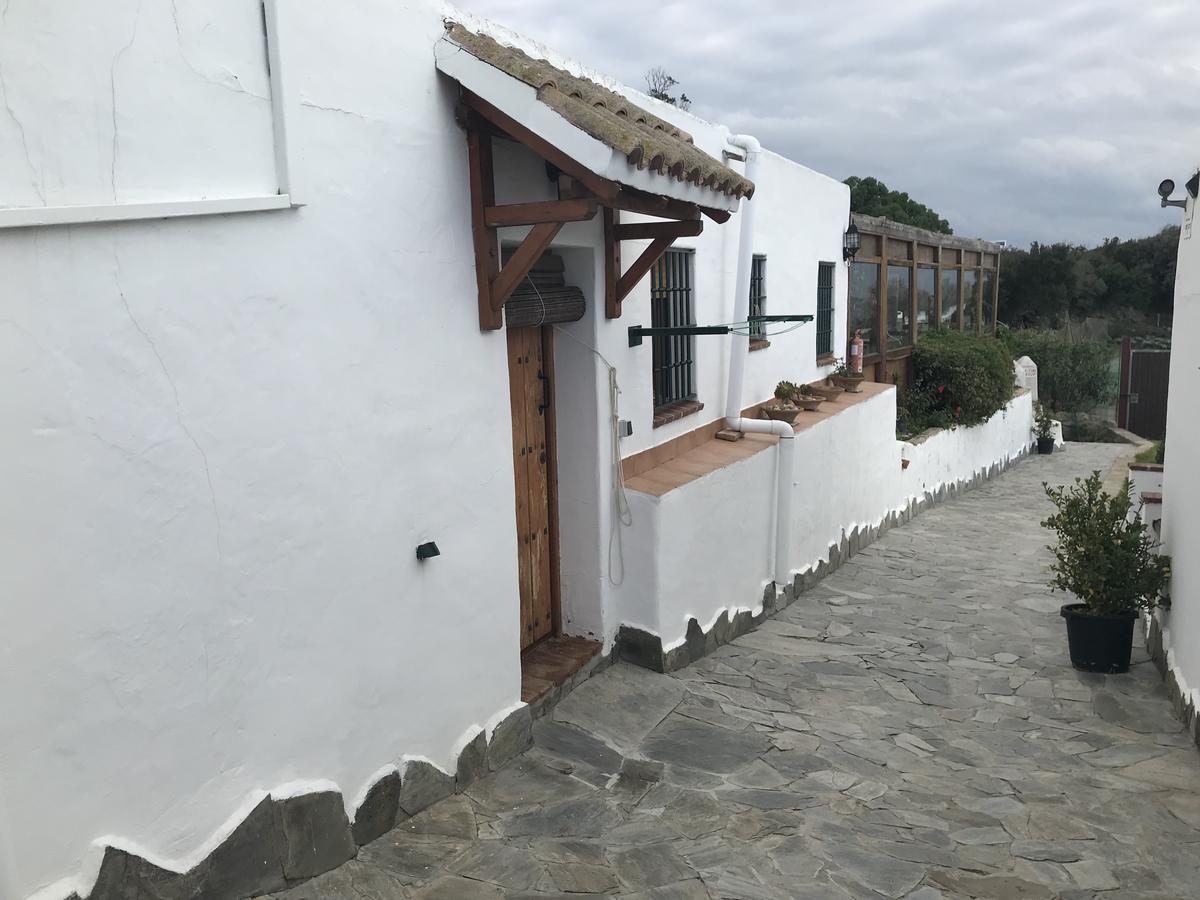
[720, 216]
[541, 211]
[603, 188]
[522, 260]
[483, 195]
[612, 263]
[632, 200]
[641, 266]
[646, 231]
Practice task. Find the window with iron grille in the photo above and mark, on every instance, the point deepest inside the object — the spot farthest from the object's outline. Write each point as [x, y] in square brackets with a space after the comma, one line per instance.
[825, 309]
[758, 296]
[671, 307]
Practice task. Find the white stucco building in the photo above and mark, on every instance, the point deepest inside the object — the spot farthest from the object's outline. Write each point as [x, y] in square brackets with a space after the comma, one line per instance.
[245, 370]
[1174, 634]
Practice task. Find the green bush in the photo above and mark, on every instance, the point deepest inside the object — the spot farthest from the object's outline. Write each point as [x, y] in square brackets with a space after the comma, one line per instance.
[1073, 376]
[1102, 556]
[958, 379]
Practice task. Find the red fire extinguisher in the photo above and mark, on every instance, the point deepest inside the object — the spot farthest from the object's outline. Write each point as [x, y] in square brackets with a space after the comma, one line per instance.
[856, 353]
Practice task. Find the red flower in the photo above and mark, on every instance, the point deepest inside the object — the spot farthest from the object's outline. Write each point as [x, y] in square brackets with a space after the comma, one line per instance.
[957, 411]
[941, 389]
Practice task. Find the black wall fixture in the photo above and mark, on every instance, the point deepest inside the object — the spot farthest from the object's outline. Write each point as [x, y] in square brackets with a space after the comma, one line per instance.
[427, 551]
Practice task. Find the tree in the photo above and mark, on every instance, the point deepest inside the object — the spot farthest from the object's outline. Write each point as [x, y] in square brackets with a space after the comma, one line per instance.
[1127, 281]
[658, 85]
[871, 197]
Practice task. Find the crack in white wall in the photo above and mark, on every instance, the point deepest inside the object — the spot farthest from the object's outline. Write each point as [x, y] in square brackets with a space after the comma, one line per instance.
[112, 84]
[35, 176]
[178, 406]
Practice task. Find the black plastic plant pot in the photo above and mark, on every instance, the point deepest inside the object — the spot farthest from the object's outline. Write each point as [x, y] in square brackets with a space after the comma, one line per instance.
[1045, 445]
[1099, 643]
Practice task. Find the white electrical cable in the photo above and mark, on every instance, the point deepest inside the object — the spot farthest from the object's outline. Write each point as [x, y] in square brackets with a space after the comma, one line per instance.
[621, 513]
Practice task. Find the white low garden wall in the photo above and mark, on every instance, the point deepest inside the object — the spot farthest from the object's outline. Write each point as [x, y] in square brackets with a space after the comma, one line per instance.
[706, 547]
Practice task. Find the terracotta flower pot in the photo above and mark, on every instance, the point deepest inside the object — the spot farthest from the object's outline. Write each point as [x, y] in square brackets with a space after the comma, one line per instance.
[828, 391]
[787, 414]
[812, 404]
[851, 384]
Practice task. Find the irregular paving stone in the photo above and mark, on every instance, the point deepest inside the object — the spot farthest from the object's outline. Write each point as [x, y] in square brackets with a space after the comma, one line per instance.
[622, 707]
[588, 817]
[882, 874]
[492, 861]
[315, 832]
[457, 888]
[571, 743]
[699, 745]
[472, 762]
[928, 675]
[355, 880]
[378, 810]
[423, 784]
[510, 738]
[652, 866]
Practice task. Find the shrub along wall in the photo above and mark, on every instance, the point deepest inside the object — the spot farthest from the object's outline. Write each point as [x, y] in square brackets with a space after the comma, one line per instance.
[1073, 376]
[958, 379]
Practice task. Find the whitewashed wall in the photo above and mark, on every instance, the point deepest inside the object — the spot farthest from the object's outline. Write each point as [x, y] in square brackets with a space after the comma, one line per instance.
[848, 474]
[1181, 479]
[224, 437]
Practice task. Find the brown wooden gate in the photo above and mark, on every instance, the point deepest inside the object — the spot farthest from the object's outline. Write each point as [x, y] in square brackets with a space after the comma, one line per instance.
[1142, 399]
[530, 374]
[1147, 394]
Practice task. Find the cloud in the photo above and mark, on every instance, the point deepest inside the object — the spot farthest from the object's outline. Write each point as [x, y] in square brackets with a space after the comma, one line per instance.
[1027, 120]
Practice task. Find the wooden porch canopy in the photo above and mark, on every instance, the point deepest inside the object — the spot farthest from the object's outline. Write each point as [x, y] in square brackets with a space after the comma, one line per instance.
[609, 155]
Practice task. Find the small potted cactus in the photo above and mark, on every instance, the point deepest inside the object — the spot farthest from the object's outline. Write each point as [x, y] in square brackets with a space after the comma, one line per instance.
[784, 407]
[849, 380]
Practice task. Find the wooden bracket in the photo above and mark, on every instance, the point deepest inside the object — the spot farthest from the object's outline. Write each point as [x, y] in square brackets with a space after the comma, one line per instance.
[649, 231]
[539, 212]
[642, 265]
[660, 234]
[522, 260]
[612, 263]
[483, 195]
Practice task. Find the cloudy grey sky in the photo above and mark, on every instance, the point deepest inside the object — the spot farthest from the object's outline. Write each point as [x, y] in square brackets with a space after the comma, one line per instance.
[1015, 119]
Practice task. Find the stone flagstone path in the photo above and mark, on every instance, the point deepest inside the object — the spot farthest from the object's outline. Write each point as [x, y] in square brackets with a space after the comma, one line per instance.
[909, 728]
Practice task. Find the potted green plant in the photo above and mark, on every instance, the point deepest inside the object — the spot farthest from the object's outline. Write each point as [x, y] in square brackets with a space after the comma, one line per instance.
[1043, 427]
[843, 376]
[1108, 561]
[784, 407]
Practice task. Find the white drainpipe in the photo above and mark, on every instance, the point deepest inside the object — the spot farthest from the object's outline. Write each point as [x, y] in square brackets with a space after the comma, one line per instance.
[737, 368]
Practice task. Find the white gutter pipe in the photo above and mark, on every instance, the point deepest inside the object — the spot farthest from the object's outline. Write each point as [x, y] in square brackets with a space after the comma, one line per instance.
[737, 368]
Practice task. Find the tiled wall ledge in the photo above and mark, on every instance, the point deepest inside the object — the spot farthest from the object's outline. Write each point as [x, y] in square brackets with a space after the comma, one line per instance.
[645, 649]
[286, 840]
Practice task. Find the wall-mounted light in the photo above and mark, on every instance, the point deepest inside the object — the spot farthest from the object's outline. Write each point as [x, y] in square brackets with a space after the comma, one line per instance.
[1166, 188]
[427, 551]
[850, 243]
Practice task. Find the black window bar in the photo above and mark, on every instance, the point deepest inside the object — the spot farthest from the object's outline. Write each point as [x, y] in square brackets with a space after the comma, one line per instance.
[758, 296]
[671, 307]
[824, 309]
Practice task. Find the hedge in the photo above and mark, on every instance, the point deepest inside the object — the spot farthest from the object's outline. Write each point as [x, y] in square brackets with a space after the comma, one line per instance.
[958, 379]
[1073, 376]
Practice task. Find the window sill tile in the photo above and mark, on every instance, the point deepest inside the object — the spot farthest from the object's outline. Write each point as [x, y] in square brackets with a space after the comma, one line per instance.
[673, 412]
[826, 359]
[759, 344]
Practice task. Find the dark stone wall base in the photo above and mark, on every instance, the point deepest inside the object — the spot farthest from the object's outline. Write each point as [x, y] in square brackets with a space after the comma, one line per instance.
[645, 649]
[288, 840]
[1181, 705]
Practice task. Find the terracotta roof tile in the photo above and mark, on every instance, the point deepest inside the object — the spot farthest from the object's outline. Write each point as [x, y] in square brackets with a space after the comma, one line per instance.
[645, 140]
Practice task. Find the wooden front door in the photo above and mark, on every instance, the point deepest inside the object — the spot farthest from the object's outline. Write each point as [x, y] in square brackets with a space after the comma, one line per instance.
[530, 372]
